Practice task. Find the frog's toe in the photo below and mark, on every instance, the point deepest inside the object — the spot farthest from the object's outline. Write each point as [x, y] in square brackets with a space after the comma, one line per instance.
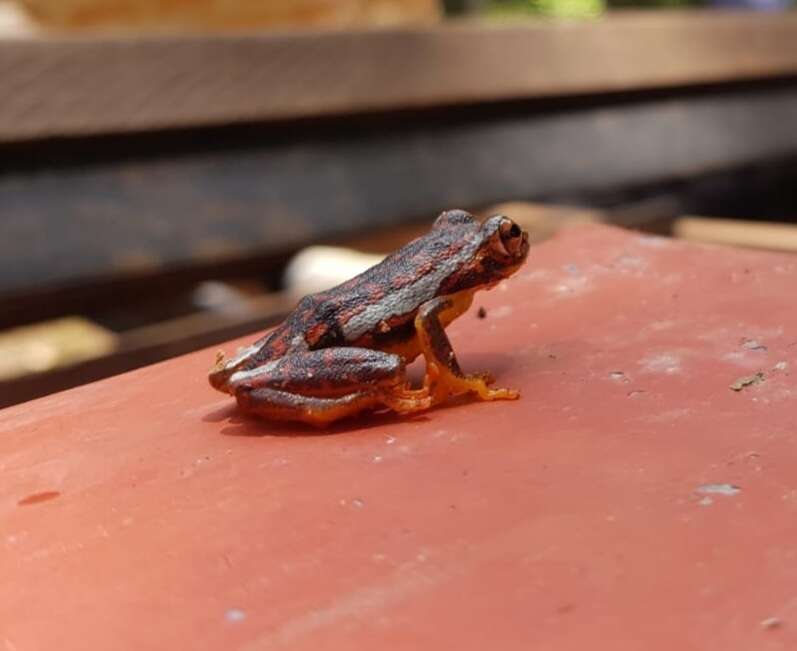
[501, 394]
[486, 377]
[405, 401]
[408, 392]
[477, 384]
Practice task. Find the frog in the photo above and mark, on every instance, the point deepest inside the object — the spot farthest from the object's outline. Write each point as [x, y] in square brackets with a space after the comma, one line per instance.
[346, 350]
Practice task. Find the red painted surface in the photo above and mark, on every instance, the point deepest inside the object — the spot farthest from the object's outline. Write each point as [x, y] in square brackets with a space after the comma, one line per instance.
[142, 513]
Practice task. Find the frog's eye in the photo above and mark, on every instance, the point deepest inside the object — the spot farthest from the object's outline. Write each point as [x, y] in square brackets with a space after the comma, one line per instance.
[509, 229]
[511, 236]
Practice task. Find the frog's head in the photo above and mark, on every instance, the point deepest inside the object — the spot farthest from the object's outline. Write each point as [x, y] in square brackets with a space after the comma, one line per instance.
[506, 242]
[503, 247]
[486, 253]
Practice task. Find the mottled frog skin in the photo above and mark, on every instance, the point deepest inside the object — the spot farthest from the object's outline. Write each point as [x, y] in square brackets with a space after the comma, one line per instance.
[345, 350]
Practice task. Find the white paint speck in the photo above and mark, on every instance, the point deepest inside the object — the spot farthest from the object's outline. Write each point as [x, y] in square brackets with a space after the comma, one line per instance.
[653, 241]
[658, 326]
[669, 415]
[668, 363]
[742, 359]
[572, 285]
[536, 275]
[706, 501]
[377, 459]
[628, 262]
[501, 312]
[357, 503]
[718, 489]
[235, 615]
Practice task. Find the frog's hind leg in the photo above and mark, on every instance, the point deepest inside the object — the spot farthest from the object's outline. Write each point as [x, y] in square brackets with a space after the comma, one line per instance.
[281, 405]
[323, 386]
[444, 377]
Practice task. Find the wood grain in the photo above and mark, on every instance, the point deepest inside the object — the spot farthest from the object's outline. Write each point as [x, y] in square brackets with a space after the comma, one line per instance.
[60, 86]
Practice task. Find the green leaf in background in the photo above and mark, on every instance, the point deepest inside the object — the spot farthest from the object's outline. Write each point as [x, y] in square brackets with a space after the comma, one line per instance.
[554, 8]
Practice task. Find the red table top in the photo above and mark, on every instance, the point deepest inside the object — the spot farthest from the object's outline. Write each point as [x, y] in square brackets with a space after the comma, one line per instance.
[630, 500]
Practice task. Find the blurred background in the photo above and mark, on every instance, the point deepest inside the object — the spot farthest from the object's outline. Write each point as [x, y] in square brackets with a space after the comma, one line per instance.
[174, 174]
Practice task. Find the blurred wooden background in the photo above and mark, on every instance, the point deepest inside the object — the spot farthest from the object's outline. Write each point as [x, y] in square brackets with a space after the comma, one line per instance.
[153, 187]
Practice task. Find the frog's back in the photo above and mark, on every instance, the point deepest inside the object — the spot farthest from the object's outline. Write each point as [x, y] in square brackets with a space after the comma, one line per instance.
[379, 305]
[377, 308]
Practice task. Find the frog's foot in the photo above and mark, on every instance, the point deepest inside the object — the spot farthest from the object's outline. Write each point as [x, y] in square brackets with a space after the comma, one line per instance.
[444, 377]
[445, 384]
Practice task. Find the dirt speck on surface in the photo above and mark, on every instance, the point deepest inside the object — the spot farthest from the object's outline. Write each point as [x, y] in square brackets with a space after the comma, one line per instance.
[37, 498]
[771, 623]
[747, 380]
[481, 313]
[753, 344]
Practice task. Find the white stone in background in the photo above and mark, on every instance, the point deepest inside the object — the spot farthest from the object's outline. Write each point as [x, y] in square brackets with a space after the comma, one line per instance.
[14, 21]
[317, 268]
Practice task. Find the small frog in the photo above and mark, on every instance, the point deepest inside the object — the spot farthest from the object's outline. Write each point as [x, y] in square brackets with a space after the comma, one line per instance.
[345, 350]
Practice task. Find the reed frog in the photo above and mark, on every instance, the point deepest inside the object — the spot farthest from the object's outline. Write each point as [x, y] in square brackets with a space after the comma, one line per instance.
[345, 350]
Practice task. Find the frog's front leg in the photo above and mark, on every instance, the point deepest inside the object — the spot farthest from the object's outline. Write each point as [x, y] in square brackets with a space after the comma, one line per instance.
[323, 386]
[444, 377]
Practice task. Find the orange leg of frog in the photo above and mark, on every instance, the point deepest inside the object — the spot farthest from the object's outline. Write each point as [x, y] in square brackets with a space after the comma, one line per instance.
[444, 377]
[322, 386]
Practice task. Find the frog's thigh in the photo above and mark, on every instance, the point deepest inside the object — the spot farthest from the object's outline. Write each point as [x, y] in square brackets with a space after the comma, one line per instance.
[329, 372]
[447, 377]
[281, 405]
[325, 385]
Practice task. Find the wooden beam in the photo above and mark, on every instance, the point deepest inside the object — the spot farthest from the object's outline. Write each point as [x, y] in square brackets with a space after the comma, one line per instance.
[148, 345]
[737, 232]
[132, 218]
[82, 86]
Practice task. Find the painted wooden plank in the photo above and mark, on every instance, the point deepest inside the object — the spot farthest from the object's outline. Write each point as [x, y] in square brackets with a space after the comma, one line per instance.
[631, 499]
